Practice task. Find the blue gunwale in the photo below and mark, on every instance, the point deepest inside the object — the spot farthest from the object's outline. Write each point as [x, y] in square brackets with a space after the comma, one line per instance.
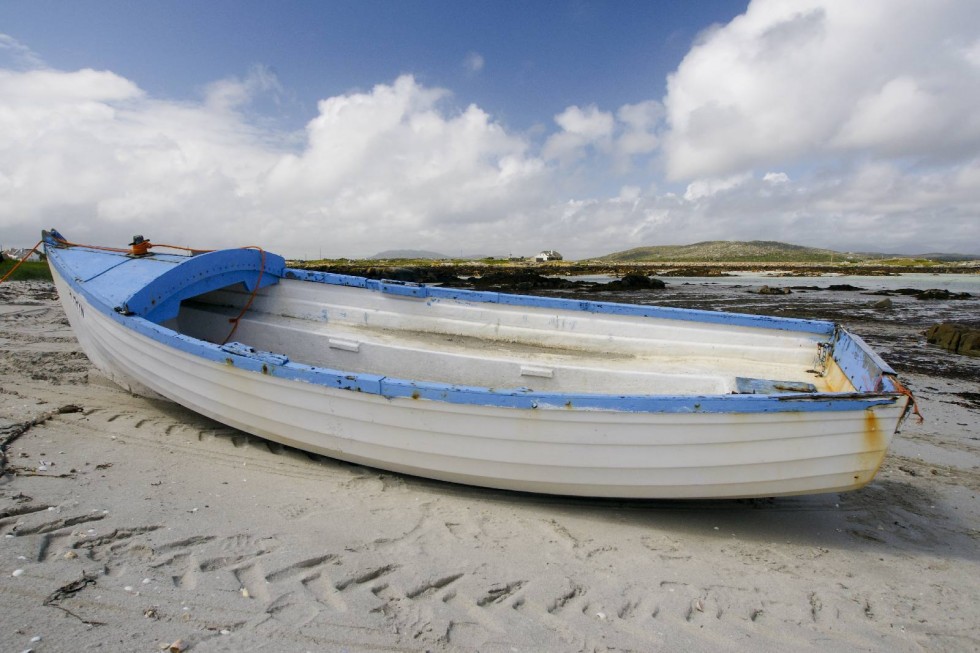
[875, 387]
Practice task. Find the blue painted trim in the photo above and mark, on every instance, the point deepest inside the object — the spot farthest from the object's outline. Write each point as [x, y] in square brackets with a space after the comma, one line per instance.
[525, 399]
[159, 299]
[518, 398]
[241, 349]
[404, 288]
[153, 286]
[865, 369]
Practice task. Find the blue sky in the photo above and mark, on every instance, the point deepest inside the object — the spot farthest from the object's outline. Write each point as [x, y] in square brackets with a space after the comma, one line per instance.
[493, 127]
[537, 57]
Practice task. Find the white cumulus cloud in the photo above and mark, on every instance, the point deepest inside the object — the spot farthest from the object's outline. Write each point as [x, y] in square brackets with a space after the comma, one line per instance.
[640, 124]
[580, 129]
[90, 152]
[800, 79]
[393, 159]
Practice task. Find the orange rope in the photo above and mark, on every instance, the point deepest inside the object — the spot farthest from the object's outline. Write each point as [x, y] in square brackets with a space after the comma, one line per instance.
[258, 282]
[137, 249]
[62, 241]
[908, 393]
[21, 262]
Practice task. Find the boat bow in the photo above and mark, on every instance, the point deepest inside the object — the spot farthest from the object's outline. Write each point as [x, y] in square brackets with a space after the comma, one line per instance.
[152, 286]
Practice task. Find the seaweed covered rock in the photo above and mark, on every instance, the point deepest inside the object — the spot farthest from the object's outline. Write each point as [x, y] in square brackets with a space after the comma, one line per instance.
[519, 280]
[956, 338]
[940, 293]
[634, 281]
[931, 293]
[774, 290]
[420, 274]
[883, 305]
[417, 274]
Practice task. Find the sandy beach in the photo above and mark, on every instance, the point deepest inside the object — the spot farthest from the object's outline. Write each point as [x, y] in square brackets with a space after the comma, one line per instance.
[134, 525]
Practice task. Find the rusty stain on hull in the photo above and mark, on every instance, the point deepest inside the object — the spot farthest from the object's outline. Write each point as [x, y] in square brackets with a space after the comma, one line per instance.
[875, 444]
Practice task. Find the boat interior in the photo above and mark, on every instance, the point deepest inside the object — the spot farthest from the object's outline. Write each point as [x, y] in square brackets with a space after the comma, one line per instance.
[496, 345]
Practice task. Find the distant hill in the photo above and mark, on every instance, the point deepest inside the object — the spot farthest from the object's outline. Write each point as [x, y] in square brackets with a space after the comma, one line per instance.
[728, 251]
[762, 251]
[949, 257]
[408, 253]
[731, 250]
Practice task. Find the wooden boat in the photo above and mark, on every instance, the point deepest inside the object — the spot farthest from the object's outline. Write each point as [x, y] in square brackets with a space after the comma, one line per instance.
[490, 389]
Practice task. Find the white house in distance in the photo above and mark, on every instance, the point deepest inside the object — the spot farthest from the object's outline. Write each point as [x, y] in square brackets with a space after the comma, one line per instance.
[18, 253]
[548, 255]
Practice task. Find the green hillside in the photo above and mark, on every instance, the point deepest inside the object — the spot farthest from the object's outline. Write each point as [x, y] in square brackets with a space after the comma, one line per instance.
[731, 251]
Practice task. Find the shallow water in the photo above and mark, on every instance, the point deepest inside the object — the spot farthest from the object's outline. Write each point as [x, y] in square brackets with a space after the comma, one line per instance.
[811, 297]
[952, 282]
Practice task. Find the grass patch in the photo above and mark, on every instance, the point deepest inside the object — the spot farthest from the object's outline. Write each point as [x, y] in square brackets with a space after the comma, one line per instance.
[910, 262]
[29, 271]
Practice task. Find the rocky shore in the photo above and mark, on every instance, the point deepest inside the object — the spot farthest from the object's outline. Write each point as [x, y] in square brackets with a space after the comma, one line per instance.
[445, 271]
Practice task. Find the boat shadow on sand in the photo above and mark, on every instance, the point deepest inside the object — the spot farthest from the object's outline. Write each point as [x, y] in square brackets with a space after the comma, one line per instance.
[888, 516]
[891, 515]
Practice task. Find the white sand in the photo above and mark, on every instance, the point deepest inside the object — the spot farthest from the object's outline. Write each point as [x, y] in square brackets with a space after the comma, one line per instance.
[192, 531]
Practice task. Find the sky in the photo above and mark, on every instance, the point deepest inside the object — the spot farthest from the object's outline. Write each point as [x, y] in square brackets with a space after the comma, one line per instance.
[342, 129]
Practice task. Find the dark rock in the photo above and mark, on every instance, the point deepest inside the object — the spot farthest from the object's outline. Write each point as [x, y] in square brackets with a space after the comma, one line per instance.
[937, 293]
[409, 274]
[843, 286]
[767, 290]
[933, 293]
[522, 280]
[403, 274]
[957, 338]
[634, 281]
[882, 305]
